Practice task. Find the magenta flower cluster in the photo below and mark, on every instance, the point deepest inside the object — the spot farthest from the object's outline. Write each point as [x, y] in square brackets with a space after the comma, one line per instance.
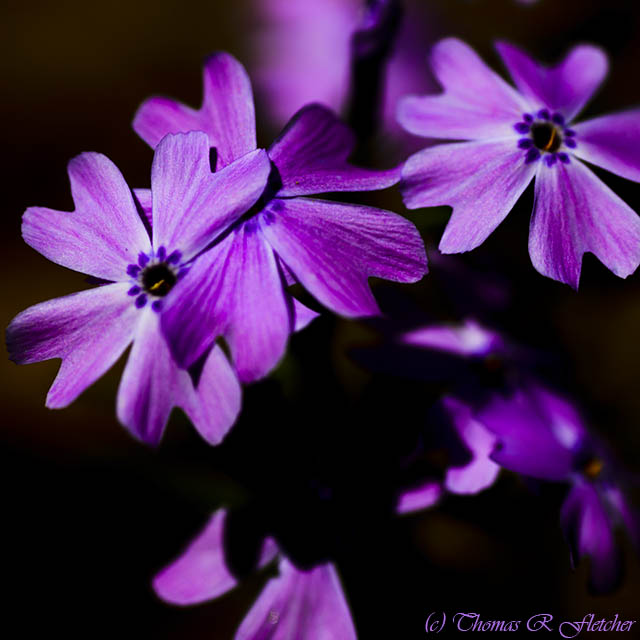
[195, 275]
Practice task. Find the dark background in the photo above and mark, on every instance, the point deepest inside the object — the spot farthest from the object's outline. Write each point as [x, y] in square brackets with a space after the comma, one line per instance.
[89, 515]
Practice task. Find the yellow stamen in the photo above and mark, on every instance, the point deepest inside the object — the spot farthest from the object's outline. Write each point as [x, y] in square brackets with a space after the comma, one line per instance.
[156, 285]
[552, 139]
[593, 468]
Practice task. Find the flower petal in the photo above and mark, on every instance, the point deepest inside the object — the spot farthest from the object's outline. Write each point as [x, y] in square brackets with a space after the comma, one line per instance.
[215, 404]
[468, 339]
[566, 87]
[89, 330]
[152, 384]
[145, 201]
[305, 605]
[191, 205]
[157, 116]
[333, 248]
[612, 142]
[200, 573]
[589, 532]
[259, 323]
[539, 433]
[303, 316]
[311, 156]
[227, 113]
[235, 289]
[481, 472]
[419, 498]
[575, 212]
[102, 235]
[477, 102]
[480, 180]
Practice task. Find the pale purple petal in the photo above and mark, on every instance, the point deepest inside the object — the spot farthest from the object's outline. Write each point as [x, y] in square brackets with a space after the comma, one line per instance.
[305, 605]
[589, 532]
[302, 315]
[259, 323]
[198, 311]
[151, 382]
[311, 156]
[89, 330]
[333, 248]
[228, 108]
[477, 103]
[215, 404]
[468, 339]
[575, 213]
[200, 573]
[566, 87]
[419, 498]
[226, 116]
[480, 180]
[481, 471]
[611, 142]
[158, 116]
[539, 433]
[235, 290]
[191, 205]
[103, 234]
[145, 200]
[152, 385]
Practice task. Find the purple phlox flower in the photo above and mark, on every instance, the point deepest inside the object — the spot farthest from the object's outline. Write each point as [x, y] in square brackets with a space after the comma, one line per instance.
[510, 138]
[473, 473]
[541, 434]
[317, 44]
[294, 604]
[237, 289]
[106, 238]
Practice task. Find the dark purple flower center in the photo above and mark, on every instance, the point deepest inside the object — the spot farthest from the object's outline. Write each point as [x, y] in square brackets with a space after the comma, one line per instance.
[154, 276]
[158, 279]
[547, 137]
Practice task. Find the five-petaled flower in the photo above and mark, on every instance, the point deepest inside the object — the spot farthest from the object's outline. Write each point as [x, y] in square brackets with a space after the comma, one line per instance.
[107, 238]
[513, 137]
[238, 288]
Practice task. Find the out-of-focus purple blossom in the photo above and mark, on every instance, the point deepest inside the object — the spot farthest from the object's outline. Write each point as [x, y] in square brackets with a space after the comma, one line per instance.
[513, 137]
[305, 53]
[474, 473]
[238, 287]
[540, 434]
[466, 339]
[306, 605]
[106, 237]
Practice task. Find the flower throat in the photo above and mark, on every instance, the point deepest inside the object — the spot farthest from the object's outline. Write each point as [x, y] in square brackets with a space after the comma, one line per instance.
[158, 279]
